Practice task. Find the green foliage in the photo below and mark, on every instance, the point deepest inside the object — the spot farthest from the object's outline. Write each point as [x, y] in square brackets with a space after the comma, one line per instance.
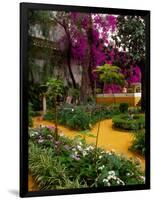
[79, 121]
[139, 142]
[75, 92]
[49, 116]
[129, 122]
[110, 74]
[35, 113]
[98, 90]
[68, 163]
[34, 93]
[131, 35]
[123, 107]
[82, 117]
[55, 88]
[31, 113]
[134, 110]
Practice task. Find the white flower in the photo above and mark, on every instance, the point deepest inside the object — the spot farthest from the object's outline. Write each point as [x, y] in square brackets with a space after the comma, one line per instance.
[72, 109]
[112, 173]
[79, 148]
[84, 153]
[40, 140]
[114, 178]
[143, 178]
[100, 157]
[118, 182]
[80, 143]
[109, 153]
[101, 168]
[122, 182]
[74, 149]
[75, 157]
[128, 174]
[105, 180]
[89, 148]
[109, 177]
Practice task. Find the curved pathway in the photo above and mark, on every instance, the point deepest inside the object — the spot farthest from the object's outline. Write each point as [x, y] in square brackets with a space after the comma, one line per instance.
[109, 138]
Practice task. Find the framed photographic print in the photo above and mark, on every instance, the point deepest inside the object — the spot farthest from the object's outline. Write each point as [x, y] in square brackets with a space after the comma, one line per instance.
[84, 99]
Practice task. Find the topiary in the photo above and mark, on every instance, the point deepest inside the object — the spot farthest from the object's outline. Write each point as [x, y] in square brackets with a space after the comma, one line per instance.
[123, 107]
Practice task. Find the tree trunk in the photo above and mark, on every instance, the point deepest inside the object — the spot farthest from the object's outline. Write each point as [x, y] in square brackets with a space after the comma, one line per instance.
[90, 56]
[69, 54]
[69, 66]
[85, 85]
[44, 105]
[114, 99]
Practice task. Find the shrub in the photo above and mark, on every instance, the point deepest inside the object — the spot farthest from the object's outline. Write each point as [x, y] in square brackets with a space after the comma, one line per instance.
[82, 117]
[68, 163]
[129, 122]
[79, 121]
[134, 110]
[49, 116]
[139, 142]
[123, 107]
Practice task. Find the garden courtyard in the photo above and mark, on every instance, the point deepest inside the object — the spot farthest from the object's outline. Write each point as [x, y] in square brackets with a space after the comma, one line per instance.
[113, 140]
[86, 100]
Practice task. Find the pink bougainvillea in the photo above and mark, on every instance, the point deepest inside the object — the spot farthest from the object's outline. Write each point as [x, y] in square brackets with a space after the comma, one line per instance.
[135, 76]
[92, 33]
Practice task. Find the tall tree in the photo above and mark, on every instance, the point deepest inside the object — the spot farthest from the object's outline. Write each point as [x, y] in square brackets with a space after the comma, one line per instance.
[131, 37]
[87, 30]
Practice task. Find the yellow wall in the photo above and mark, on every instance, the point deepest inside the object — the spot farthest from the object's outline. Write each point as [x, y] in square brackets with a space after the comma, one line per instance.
[132, 101]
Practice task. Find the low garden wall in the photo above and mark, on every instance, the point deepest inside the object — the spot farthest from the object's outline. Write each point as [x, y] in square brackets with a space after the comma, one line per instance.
[131, 98]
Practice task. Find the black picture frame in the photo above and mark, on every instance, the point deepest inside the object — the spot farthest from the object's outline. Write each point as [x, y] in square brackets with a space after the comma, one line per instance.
[24, 7]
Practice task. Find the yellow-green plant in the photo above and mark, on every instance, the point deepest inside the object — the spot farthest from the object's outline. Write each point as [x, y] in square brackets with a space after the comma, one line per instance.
[110, 74]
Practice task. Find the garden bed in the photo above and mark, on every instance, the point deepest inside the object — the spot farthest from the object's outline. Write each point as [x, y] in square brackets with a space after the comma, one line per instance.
[82, 117]
[71, 163]
[129, 121]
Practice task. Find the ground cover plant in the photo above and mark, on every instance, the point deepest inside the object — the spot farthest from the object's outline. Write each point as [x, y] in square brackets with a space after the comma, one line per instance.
[71, 163]
[82, 117]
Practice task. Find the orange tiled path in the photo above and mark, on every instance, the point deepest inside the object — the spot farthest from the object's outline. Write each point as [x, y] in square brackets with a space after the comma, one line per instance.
[109, 139]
